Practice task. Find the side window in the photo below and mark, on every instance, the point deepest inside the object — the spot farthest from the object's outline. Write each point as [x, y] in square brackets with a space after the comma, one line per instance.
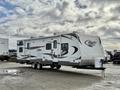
[55, 44]
[64, 48]
[48, 46]
[21, 49]
[28, 45]
[20, 43]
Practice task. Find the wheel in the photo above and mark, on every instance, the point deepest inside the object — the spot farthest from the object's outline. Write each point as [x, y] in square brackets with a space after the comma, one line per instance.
[58, 66]
[34, 66]
[52, 66]
[117, 62]
[2, 60]
[39, 66]
[114, 62]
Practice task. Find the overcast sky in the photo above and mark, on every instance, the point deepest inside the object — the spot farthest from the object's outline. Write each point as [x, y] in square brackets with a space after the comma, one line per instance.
[24, 18]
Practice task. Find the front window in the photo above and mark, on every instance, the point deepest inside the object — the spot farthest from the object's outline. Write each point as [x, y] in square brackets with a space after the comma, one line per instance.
[21, 49]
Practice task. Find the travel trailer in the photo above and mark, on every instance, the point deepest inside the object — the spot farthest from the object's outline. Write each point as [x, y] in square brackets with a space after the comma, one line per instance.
[4, 46]
[70, 49]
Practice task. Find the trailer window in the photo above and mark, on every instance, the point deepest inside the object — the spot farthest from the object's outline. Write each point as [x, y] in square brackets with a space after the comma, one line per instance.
[28, 45]
[20, 43]
[48, 46]
[64, 48]
[55, 44]
[20, 49]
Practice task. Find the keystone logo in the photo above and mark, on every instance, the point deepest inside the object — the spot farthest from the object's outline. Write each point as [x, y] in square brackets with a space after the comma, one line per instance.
[90, 43]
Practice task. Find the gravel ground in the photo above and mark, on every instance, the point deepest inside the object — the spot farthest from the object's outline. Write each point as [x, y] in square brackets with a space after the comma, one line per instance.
[15, 76]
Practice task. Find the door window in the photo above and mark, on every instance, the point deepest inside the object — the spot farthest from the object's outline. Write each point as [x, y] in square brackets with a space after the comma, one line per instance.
[55, 44]
[28, 45]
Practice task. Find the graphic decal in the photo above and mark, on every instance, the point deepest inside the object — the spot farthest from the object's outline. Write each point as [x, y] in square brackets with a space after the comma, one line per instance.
[78, 58]
[76, 36]
[35, 47]
[53, 55]
[64, 52]
[66, 37]
[64, 48]
[100, 40]
[27, 56]
[90, 43]
[75, 49]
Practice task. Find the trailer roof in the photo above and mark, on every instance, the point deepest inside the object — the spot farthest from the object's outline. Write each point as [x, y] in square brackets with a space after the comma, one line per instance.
[55, 36]
[39, 38]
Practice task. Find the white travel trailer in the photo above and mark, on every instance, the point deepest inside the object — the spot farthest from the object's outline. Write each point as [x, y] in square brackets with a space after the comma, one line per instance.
[4, 46]
[71, 49]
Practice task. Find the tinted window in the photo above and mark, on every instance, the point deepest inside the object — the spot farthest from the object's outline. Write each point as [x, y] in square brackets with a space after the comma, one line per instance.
[20, 49]
[55, 44]
[20, 43]
[48, 46]
[64, 48]
[28, 45]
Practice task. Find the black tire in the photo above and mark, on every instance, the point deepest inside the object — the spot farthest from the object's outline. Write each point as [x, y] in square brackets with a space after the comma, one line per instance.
[39, 66]
[34, 65]
[114, 62]
[2, 60]
[58, 66]
[52, 66]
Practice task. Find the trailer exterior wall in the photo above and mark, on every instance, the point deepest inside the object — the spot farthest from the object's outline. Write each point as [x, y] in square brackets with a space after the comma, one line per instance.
[71, 49]
[4, 46]
[91, 49]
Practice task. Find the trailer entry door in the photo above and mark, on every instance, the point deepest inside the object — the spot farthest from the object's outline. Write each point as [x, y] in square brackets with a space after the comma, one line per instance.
[64, 49]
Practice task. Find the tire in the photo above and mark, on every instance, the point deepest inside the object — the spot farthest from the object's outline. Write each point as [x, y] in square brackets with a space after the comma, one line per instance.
[34, 66]
[114, 62]
[39, 66]
[2, 60]
[52, 66]
[58, 67]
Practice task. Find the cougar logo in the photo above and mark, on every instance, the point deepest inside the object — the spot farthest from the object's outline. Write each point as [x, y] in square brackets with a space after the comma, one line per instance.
[90, 43]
